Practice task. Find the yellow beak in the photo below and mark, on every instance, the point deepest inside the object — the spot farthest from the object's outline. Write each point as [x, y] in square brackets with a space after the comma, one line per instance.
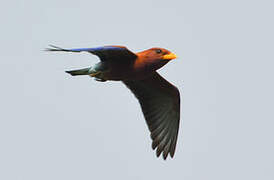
[169, 56]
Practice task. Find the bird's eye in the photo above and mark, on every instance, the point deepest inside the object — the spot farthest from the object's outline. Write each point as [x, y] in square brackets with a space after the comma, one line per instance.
[158, 51]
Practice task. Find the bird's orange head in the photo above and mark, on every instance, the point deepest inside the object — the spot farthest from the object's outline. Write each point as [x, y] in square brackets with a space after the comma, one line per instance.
[155, 58]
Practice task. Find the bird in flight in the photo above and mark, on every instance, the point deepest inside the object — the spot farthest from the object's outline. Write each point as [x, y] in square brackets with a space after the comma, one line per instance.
[159, 99]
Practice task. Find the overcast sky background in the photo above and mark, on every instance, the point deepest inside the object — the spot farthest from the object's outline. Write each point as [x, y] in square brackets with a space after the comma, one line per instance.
[54, 126]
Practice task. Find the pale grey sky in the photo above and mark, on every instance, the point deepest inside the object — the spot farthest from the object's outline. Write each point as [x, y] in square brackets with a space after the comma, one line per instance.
[54, 126]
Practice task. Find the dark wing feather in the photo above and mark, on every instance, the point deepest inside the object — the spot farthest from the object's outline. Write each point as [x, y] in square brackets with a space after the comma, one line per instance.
[160, 103]
[105, 53]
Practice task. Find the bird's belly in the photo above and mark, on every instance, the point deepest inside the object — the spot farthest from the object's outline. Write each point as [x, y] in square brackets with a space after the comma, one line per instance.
[124, 75]
[122, 72]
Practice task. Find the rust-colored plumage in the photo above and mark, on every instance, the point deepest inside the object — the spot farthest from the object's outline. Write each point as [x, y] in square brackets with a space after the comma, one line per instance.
[159, 99]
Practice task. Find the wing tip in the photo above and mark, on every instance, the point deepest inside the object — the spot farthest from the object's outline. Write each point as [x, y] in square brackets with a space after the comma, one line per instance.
[164, 155]
[167, 149]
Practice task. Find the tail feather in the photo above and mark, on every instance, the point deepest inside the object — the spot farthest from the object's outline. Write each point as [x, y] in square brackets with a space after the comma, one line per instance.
[78, 72]
[55, 48]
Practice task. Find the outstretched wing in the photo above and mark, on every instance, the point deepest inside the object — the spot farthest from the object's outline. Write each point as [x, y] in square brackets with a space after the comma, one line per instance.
[105, 53]
[160, 103]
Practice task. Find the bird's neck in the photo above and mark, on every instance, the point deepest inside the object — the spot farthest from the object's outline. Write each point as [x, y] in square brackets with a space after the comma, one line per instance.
[148, 65]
